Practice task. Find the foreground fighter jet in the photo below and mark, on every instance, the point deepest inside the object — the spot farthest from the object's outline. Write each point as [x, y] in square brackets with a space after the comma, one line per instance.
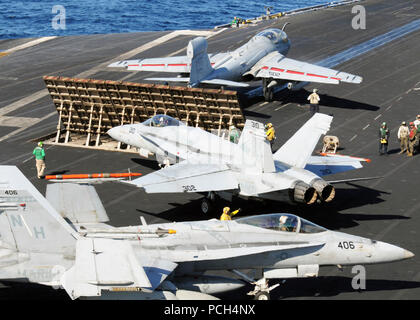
[247, 169]
[261, 57]
[65, 244]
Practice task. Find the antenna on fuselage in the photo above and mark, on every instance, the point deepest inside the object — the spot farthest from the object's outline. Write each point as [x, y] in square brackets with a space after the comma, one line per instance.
[284, 26]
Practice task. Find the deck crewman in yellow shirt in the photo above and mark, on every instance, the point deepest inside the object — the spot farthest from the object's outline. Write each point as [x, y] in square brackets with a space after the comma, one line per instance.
[271, 134]
[227, 215]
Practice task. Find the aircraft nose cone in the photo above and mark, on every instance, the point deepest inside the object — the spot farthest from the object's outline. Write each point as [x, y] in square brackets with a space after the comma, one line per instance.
[114, 133]
[408, 254]
[387, 252]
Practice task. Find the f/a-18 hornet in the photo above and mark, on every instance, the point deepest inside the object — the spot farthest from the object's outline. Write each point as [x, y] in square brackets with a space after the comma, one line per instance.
[65, 243]
[248, 169]
[262, 57]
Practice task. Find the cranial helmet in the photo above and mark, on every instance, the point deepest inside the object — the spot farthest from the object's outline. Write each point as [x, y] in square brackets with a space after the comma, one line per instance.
[283, 219]
[40, 144]
[226, 209]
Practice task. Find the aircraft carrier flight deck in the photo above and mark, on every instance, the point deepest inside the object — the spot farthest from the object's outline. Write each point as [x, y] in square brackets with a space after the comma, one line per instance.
[385, 209]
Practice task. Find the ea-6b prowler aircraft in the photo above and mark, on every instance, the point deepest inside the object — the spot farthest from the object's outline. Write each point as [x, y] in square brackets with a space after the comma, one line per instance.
[246, 169]
[66, 244]
[264, 56]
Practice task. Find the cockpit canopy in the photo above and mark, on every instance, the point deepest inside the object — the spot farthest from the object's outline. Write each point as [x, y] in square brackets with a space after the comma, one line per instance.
[274, 35]
[162, 120]
[282, 222]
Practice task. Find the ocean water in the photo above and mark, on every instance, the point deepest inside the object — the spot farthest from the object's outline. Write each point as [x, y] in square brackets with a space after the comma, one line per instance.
[34, 18]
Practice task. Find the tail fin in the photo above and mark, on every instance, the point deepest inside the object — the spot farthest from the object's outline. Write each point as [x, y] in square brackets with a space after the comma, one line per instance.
[200, 62]
[255, 149]
[28, 222]
[297, 150]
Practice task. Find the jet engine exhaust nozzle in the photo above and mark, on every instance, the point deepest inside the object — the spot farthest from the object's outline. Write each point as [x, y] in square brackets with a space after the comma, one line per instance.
[304, 193]
[325, 191]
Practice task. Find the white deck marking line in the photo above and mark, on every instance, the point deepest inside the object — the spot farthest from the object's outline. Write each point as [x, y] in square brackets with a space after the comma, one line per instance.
[29, 44]
[281, 107]
[354, 137]
[263, 104]
[366, 126]
[207, 37]
[24, 101]
[44, 92]
[378, 117]
[34, 122]
[388, 108]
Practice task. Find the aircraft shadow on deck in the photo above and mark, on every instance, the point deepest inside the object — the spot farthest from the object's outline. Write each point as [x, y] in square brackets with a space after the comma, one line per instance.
[30, 291]
[327, 215]
[151, 164]
[322, 286]
[301, 96]
[334, 285]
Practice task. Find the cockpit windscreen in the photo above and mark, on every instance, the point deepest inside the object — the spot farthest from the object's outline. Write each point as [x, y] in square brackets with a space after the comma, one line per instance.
[162, 120]
[282, 222]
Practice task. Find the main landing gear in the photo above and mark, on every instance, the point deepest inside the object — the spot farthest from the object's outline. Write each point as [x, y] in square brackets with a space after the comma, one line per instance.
[268, 89]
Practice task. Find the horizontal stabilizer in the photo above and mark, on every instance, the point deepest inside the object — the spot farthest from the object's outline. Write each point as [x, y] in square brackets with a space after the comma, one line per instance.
[354, 180]
[333, 163]
[225, 83]
[174, 79]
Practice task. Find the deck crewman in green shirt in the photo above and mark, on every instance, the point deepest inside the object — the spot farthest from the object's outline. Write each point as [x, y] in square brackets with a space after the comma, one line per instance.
[39, 154]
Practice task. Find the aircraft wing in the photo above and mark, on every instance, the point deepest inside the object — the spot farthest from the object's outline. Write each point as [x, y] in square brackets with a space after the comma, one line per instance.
[87, 209]
[178, 64]
[333, 163]
[107, 264]
[188, 177]
[280, 67]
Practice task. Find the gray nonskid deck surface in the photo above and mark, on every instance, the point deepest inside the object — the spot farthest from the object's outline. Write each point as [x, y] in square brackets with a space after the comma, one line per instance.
[386, 209]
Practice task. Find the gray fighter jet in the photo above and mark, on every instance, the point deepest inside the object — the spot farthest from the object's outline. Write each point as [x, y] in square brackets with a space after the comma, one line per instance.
[247, 169]
[66, 244]
[262, 57]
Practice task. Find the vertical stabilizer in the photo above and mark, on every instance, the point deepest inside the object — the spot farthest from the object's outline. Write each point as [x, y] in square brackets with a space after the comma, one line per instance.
[28, 219]
[298, 149]
[255, 150]
[200, 62]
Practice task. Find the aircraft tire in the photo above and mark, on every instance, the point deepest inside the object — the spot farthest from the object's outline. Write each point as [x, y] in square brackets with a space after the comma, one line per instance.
[268, 95]
[262, 295]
